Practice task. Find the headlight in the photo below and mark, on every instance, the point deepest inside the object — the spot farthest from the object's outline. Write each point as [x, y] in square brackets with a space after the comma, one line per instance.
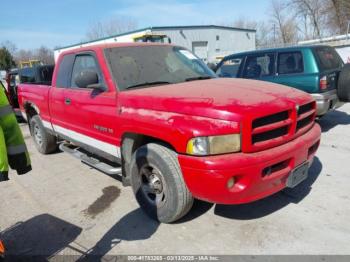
[214, 145]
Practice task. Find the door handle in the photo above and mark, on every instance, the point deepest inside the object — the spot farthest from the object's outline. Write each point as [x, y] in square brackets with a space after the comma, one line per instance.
[67, 101]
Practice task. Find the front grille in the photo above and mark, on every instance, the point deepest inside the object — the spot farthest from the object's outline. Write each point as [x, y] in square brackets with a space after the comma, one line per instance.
[275, 133]
[270, 127]
[306, 115]
[305, 108]
[275, 129]
[270, 119]
[304, 122]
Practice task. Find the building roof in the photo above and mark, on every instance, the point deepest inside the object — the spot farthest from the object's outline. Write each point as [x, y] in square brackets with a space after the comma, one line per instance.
[162, 28]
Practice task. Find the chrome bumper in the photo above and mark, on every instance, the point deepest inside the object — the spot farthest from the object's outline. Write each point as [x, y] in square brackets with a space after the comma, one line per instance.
[326, 101]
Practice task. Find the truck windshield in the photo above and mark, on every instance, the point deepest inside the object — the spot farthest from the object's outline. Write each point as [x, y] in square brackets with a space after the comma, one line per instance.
[146, 66]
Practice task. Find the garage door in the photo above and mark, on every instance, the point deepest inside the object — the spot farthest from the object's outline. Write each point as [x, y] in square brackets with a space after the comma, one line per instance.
[200, 48]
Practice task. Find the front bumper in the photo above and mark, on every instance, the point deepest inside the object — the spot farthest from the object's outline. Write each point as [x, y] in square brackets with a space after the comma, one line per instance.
[326, 101]
[207, 177]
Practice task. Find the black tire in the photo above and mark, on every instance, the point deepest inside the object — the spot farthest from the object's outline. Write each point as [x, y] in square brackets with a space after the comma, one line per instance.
[344, 84]
[44, 141]
[155, 167]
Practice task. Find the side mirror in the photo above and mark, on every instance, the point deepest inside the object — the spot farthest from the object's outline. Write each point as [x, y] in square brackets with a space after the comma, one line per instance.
[88, 79]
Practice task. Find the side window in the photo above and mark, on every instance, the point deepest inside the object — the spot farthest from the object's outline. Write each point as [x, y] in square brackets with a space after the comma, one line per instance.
[27, 75]
[290, 63]
[45, 74]
[229, 67]
[64, 71]
[84, 63]
[259, 65]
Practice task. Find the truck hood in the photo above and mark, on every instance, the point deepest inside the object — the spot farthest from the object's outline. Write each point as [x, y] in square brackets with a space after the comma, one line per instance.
[219, 98]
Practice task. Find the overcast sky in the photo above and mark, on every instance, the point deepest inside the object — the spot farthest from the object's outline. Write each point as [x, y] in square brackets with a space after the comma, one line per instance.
[30, 24]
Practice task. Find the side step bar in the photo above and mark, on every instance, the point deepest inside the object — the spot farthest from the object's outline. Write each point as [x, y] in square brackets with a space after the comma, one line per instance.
[93, 162]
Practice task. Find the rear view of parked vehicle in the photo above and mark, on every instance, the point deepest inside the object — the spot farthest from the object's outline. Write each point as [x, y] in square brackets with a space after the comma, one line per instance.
[317, 70]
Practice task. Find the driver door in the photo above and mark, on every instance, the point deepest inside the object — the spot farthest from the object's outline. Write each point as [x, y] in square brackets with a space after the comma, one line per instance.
[89, 111]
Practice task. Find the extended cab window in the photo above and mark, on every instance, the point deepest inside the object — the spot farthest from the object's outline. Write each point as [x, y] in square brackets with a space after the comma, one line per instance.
[229, 67]
[64, 71]
[259, 65]
[27, 75]
[84, 63]
[290, 63]
[145, 66]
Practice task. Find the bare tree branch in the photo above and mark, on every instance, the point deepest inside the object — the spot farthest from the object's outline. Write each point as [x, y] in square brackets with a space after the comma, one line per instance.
[110, 27]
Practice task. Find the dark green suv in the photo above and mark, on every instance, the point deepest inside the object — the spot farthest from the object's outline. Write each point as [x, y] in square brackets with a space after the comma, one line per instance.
[317, 70]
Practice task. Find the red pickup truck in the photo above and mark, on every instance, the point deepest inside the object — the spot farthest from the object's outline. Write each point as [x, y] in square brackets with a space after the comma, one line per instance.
[159, 116]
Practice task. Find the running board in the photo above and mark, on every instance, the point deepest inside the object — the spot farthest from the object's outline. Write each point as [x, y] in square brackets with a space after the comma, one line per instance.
[93, 162]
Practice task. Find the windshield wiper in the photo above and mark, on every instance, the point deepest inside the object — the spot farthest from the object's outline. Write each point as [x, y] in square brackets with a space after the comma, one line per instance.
[199, 78]
[148, 84]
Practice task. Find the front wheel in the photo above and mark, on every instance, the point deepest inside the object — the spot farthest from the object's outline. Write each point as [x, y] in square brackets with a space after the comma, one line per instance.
[158, 184]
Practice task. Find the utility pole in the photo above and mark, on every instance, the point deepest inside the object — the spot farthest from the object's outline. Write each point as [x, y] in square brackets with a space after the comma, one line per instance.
[274, 35]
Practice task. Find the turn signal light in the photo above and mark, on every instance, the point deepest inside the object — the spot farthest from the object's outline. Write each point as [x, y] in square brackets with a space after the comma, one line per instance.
[2, 249]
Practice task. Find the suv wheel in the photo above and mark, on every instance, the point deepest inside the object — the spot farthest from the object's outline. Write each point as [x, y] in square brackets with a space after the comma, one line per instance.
[158, 184]
[344, 84]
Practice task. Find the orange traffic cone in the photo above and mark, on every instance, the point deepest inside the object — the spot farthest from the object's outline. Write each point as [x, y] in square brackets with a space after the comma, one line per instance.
[2, 249]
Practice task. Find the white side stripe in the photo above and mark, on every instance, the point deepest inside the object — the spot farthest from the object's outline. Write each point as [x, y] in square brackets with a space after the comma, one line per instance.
[103, 146]
[47, 124]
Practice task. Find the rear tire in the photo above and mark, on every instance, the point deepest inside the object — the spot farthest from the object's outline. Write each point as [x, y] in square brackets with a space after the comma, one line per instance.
[158, 184]
[344, 84]
[44, 141]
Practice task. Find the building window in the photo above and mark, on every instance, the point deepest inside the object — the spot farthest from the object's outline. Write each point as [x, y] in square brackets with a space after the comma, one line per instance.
[217, 38]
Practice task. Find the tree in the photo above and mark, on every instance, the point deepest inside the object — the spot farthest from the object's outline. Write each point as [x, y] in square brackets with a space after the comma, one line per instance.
[339, 15]
[10, 46]
[6, 59]
[45, 55]
[285, 27]
[245, 23]
[110, 27]
[23, 55]
[314, 14]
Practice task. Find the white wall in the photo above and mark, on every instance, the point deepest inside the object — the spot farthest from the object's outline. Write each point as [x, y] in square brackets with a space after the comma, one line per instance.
[344, 53]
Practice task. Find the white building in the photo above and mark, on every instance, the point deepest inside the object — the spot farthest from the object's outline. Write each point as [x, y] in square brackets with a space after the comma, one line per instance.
[208, 42]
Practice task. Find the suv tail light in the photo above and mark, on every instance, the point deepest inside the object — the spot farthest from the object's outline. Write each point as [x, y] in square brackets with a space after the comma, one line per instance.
[323, 83]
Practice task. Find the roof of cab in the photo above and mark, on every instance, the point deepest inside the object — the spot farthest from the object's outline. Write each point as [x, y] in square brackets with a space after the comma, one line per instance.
[111, 45]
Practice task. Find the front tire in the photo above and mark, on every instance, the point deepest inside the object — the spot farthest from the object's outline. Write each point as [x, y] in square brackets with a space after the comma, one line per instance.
[158, 183]
[44, 141]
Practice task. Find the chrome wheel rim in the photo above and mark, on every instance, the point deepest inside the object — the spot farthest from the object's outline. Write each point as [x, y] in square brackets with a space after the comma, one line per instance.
[38, 137]
[152, 185]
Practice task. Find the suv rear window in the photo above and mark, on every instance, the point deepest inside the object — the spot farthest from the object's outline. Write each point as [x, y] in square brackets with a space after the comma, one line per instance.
[327, 58]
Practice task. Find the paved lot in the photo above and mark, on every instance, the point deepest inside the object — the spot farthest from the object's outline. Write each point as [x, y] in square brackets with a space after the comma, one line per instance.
[66, 207]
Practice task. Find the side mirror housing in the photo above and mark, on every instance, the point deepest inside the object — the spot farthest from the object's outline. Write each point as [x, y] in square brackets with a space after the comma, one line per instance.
[88, 79]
